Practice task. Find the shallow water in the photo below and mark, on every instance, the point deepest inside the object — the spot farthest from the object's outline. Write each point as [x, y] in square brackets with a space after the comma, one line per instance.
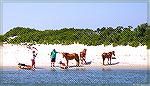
[73, 76]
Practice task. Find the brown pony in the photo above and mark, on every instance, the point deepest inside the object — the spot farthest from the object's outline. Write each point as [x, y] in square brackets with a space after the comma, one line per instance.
[108, 55]
[71, 57]
[83, 56]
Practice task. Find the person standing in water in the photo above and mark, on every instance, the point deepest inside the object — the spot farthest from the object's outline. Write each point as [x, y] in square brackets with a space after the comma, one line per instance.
[53, 57]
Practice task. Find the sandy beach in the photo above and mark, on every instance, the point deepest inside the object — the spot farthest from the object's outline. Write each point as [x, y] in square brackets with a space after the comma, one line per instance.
[126, 56]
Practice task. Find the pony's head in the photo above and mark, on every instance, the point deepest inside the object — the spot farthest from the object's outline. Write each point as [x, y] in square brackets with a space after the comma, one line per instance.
[64, 54]
[113, 52]
[85, 50]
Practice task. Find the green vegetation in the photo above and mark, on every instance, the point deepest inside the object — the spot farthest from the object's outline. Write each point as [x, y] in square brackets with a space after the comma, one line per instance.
[106, 35]
[1, 39]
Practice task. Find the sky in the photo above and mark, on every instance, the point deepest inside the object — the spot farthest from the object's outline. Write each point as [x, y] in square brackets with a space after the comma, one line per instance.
[43, 16]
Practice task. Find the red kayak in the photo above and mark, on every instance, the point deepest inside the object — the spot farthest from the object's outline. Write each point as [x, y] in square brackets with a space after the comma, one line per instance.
[28, 67]
[23, 66]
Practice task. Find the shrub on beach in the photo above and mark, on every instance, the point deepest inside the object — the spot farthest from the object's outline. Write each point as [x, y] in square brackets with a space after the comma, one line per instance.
[134, 44]
[1, 39]
[105, 35]
[148, 44]
[115, 44]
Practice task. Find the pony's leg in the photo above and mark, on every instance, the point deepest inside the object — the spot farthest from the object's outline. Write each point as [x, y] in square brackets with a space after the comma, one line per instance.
[67, 63]
[103, 61]
[84, 61]
[81, 60]
[77, 61]
[108, 61]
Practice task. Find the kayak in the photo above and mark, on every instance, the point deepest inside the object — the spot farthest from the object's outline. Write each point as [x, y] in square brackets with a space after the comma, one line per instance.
[23, 66]
[28, 67]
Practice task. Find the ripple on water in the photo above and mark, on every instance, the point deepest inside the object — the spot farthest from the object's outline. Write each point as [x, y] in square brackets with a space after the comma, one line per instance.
[86, 76]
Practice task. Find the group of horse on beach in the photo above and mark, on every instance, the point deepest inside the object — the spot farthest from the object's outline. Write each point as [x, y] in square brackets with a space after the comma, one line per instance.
[82, 57]
[75, 56]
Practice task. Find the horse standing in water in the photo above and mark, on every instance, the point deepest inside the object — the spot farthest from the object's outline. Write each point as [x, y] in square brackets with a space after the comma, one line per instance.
[83, 56]
[108, 56]
[71, 57]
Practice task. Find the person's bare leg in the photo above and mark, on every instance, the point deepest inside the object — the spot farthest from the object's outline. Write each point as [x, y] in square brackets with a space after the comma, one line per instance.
[51, 64]
[34, 66]
[54, 64]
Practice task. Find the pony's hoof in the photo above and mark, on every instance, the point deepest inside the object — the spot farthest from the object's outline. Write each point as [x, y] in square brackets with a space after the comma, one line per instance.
[77, 65]
[104, 64]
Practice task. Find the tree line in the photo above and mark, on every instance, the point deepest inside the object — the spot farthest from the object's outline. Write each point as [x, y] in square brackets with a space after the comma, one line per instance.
[105, 35]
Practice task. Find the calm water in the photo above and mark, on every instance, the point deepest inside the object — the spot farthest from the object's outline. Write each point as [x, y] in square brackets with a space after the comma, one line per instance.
[73, 76]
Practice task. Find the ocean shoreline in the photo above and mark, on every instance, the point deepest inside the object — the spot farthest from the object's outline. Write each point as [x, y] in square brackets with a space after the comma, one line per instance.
[100, 67]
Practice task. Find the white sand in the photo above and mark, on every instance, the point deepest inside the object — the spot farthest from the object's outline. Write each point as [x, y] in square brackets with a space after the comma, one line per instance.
[125, 55]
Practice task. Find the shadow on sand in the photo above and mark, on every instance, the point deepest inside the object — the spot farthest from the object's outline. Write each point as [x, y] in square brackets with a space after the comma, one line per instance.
[75, 66]
[39, 68]
[112, 64]
[115, 63]
[88, 63]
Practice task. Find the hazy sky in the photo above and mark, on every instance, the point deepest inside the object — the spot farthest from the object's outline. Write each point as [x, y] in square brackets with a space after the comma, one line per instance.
[43, 16]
